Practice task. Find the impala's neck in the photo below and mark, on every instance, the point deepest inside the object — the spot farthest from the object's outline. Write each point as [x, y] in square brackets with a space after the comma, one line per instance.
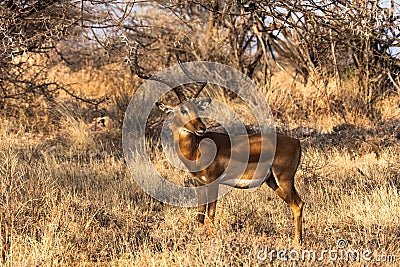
[186, 144]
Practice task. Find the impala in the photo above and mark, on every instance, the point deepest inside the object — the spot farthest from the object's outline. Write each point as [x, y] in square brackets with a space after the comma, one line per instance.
[189, 131]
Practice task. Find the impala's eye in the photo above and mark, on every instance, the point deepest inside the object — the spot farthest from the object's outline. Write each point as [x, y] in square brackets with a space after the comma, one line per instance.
[184, 111]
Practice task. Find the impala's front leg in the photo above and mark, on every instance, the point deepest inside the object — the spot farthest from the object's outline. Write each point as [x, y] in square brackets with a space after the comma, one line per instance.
[207, 197]
[212, 194]
[201, 214]
[201, 198]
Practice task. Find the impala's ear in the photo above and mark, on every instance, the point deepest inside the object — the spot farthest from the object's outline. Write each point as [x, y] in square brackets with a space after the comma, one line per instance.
[203, 103]
[167, 109]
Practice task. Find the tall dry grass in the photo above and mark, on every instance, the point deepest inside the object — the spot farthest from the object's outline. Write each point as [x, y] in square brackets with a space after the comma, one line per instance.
[68, 198]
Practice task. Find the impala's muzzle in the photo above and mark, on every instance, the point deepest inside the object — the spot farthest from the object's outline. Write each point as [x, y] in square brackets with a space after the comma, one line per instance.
[201, 131]
[195, 126]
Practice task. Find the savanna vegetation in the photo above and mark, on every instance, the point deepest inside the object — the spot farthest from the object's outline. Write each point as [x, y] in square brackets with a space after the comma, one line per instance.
[328, 69]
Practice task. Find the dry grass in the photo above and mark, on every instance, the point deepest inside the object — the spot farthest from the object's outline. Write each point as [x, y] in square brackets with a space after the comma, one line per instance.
[68, 198]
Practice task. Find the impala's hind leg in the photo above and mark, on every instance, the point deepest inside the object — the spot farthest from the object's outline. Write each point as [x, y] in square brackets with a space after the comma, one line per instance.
[299, 219]
[284, 187]
[289, 194]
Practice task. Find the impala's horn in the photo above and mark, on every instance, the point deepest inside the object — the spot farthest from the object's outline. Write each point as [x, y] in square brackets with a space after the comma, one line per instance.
[135, 68]
[201, 83]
